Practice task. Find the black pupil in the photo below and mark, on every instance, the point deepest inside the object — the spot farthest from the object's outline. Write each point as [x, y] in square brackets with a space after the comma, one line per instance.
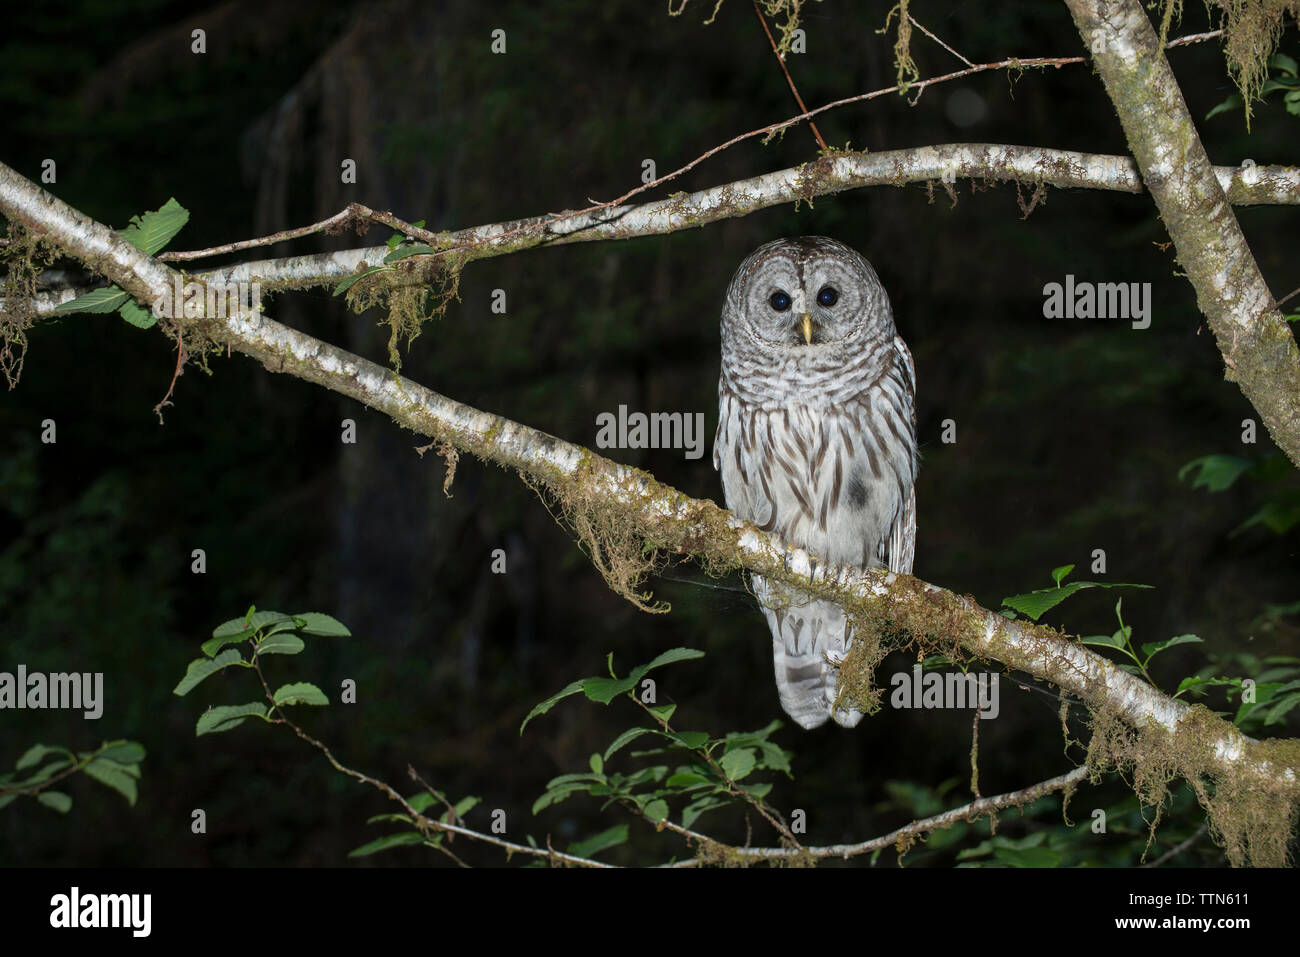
[828, 296]
[780, 301]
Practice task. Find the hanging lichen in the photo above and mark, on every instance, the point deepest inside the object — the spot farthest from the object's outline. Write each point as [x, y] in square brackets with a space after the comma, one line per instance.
[25, 255]
[414, 291]
[1252, 29]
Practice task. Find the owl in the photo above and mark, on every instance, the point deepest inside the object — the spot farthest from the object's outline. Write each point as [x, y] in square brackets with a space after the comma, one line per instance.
[816, 442]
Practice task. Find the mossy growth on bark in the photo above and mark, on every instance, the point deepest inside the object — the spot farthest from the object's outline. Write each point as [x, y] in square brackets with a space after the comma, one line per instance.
[413, 291]
[25, 256]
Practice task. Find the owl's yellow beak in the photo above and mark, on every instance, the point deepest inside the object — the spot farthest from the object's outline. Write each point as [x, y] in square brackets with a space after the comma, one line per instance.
[805, 326]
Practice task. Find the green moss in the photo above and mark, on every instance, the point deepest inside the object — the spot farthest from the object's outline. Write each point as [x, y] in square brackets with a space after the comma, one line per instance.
[25, 256]
[414, 291]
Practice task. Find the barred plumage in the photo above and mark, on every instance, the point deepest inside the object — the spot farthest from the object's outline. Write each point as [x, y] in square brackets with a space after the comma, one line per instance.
[816, 441]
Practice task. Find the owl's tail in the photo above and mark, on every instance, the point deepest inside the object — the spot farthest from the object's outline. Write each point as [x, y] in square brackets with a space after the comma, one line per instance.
[809, 640]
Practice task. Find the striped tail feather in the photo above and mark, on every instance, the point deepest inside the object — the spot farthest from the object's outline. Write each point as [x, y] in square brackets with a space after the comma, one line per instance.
[809, 640]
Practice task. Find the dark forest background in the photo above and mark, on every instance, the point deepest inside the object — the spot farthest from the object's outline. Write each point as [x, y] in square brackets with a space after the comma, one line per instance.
[1071, 433]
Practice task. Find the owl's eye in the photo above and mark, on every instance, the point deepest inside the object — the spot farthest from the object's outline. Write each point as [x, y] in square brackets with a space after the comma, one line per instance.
[828, 296]
[780, 300]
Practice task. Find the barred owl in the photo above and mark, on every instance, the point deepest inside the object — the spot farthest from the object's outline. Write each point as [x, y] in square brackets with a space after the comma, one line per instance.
[816, 441]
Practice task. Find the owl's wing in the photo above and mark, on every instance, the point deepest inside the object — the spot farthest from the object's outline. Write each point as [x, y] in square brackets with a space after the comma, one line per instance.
[734, 456]
[900, 545]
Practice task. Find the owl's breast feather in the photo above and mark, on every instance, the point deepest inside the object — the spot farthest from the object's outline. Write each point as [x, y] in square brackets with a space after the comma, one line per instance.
[829, 478]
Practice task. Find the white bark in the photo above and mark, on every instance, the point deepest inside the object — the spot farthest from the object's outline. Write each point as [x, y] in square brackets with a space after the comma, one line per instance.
[675, 521]
[1066, 169]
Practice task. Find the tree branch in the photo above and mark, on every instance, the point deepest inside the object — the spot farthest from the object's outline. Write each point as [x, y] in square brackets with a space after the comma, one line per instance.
[1245, 186]
[666, 519]
[908, 833]
[1257, 345]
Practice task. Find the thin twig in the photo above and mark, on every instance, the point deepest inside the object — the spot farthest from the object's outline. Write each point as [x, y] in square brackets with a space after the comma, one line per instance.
[352, 211]
[419, 818]
[1180, 847]
[968, 812]
[767, 131]
[921, 27]
[1289, 295]
[780, 58]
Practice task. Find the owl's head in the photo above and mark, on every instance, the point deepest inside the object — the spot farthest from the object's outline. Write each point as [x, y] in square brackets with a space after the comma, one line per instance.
[807, 294]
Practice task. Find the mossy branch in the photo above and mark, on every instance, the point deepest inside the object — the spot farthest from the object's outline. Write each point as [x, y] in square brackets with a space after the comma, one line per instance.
[834, 173]
[1188, 741]
[1259, 351]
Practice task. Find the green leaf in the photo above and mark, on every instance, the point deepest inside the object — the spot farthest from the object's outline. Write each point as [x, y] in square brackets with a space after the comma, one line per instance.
[284, 643]
[1278, 517]
[384, 843]
[1105, 641]
[585, 777]
[47, 771]
[1283, 64]
[405, 252]
[213, 645]
[631, 734]
[550, 702]
[56, 800]
[299, 692]
[201, 668]
[123, 752]
[116, 776]
[1059, 573]
[692, 811]
[234, 626]
[389, 819]
[261, 620]
[347, 284]
[422, 800]
[463, 807]
[34, 755]
[645, 776]
[318, 623]
[240, 629]
[656, 810]
[1034, 604]
[686, 780]
[138, 317]
[669, 657]
[605, 690]
[1193, 683]
[1281, 707]
[737, 763]
[598, 842]
[1233, 102]
[108, 299]
[6, 800]
[774, 757]
[227, 717]
[664, 712]
[557, 794]
[152, 231]
[1152, 648]
[1215, 472]
[597, 765]
[689, 739]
